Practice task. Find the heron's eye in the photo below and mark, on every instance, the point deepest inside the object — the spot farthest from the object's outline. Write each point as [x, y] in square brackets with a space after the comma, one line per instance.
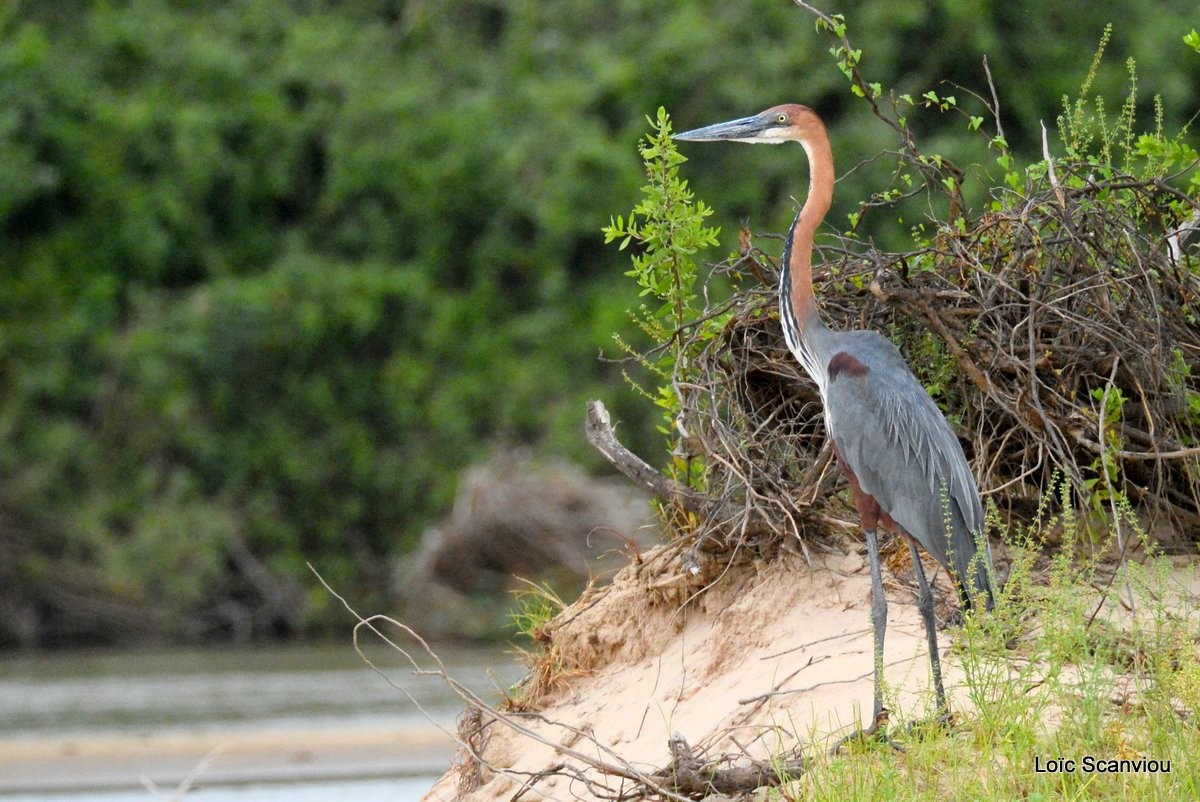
[781, 118]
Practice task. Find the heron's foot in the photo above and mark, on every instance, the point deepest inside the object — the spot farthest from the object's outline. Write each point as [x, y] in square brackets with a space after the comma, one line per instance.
[876, 732]
[942, 723]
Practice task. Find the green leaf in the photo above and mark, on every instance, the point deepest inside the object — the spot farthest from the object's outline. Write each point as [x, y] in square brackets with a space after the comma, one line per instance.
[668, 226]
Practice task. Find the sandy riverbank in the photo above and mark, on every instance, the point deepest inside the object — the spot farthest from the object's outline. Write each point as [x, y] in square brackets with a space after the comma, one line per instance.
[775, 654]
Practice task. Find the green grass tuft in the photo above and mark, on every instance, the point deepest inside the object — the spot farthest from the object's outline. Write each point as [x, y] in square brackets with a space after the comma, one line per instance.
[1053, 674]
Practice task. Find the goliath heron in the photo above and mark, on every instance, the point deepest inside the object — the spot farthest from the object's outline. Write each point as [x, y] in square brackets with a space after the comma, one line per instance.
[906, 469]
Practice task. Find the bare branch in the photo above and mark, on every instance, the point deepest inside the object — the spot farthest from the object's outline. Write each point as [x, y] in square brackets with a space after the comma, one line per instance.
[602, 437]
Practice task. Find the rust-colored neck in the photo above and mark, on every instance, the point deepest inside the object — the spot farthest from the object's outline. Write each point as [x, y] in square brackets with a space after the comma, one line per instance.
[816, 205]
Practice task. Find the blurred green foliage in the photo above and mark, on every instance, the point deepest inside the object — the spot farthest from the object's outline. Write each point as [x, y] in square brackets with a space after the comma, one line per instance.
[271, 274]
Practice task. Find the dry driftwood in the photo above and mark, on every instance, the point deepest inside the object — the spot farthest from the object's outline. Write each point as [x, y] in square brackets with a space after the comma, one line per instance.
[672, 492]
[695, 778]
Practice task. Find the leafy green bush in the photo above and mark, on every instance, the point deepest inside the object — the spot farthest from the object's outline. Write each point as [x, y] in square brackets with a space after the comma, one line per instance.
[272, 274]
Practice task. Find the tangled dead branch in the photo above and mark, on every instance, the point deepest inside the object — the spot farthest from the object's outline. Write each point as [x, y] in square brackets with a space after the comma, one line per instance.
[1059, 334]
[698, 778]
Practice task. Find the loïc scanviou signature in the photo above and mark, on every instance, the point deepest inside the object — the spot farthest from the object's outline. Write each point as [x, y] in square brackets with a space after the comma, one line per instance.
[1096, 765]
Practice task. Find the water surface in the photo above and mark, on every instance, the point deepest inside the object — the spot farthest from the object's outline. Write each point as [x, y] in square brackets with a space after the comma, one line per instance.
[294, 722]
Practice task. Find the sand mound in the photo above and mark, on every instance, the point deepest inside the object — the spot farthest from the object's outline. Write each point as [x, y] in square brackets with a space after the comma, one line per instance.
[772, 655]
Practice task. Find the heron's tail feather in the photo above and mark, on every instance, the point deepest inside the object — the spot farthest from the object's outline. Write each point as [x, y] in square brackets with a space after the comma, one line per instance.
[975, 579]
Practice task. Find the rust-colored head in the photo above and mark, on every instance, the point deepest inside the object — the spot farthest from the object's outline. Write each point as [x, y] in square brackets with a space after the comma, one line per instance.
[789, 122]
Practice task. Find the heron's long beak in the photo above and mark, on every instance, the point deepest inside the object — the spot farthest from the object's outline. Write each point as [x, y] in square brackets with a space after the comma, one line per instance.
[747, 129]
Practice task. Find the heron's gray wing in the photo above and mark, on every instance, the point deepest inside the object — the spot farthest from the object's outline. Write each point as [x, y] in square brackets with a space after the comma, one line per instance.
[902, 450]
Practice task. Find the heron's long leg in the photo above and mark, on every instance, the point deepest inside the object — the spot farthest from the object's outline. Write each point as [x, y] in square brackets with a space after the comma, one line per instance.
[879, 625]
[925, 605]
[878, 619]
